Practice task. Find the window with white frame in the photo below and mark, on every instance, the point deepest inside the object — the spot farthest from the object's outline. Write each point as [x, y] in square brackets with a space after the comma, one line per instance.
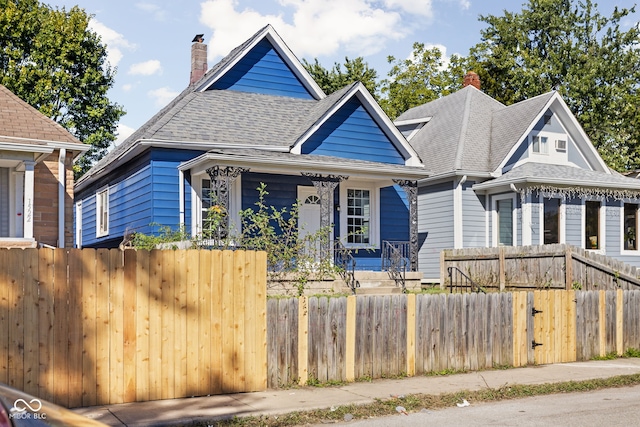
[539, 144]
[504, 220]
[358, 216]
[359, 226]
[102, 213]
[551, 221]
[592, 225]
[630, 227]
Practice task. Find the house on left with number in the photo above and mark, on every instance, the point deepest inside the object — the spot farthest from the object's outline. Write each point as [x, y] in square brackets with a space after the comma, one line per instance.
[36, 177]
[258, 117]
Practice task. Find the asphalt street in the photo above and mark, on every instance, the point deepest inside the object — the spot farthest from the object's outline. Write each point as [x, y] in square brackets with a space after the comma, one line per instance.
[609, 407]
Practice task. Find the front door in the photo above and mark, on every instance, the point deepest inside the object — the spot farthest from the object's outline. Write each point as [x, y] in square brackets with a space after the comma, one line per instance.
[309, 220]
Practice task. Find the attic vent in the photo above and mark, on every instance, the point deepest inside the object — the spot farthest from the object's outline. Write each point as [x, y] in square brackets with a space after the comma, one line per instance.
[561, 144]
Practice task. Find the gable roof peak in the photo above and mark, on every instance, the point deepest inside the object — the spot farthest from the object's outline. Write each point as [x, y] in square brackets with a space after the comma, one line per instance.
[268, 33]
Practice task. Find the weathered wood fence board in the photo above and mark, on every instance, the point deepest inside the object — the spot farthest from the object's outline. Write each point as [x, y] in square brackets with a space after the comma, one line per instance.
[540, 267]
[452, 332]
[90, 327]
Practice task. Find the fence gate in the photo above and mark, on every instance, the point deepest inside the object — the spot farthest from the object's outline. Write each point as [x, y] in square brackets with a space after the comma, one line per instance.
[554, 314]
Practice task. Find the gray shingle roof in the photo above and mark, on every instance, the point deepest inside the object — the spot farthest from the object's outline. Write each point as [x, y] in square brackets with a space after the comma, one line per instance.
[458, 135]
[471, 131]
[509, 125]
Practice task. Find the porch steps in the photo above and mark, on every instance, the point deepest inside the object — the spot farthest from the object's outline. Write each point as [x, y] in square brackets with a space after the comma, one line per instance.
[379, 283]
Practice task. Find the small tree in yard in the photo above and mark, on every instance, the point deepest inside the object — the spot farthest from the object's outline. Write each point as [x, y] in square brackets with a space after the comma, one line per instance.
[290, 256]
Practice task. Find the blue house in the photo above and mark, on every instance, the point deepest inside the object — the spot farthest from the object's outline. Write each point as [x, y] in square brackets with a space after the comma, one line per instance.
[524, 174]
[258, 117]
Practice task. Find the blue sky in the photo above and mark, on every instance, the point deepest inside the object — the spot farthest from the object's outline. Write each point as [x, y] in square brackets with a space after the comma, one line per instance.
[149, 41]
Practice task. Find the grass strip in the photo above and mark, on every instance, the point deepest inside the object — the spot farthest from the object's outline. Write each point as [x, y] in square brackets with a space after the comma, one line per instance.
[417, 402]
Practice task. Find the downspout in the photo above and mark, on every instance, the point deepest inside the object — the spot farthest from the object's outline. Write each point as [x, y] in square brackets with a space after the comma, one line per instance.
[62, 180]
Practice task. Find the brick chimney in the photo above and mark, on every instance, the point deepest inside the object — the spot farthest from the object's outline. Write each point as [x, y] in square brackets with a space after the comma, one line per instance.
[471, 79]
[198, 58]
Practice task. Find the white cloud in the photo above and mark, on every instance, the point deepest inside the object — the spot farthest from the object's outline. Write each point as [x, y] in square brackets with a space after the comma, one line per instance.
[127, 87]
[156, 11]
[423, 8]
[466, 4]
[317, 27]
[124, 132]
[162, 96]
[114, 41]
[146, 68]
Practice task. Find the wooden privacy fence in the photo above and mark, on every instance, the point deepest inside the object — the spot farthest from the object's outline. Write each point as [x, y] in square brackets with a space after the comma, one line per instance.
[347, 338]
[91, 327]
[539, 267]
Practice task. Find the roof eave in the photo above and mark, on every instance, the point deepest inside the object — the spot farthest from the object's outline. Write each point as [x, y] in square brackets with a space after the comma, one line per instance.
[304, 164]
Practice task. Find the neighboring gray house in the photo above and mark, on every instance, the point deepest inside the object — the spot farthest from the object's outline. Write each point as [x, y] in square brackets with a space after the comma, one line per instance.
[524, 174]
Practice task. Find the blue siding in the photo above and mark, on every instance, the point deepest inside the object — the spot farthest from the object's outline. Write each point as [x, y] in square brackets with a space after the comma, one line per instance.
[573, 223]
[613, 244]
[353, 134]
[473, 217]
[536, 213]
[139, 197]
[435, 225]
[130, 204]
[263, 71]
[574, 155]
[394, 214]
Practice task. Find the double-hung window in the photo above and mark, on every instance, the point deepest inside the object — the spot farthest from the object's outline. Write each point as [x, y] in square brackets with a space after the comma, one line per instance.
[539, 145]
[358, 216]
[102, 213]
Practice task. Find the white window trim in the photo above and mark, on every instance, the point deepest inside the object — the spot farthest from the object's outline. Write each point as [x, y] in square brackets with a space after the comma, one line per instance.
[546, 144]
[624, 251]
[102, 231]
[494, 214]
[374, 220]
[601, 226]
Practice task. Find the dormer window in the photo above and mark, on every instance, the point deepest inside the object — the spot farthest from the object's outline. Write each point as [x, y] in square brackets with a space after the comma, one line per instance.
[539, 145]
[561, 145]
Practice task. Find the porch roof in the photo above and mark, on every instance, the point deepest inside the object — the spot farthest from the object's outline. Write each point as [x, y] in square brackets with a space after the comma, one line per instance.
[543, 175]
[288, 163]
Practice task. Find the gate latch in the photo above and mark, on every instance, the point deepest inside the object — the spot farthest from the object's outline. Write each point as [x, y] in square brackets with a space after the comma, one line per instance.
[534, 311]
[534, 344]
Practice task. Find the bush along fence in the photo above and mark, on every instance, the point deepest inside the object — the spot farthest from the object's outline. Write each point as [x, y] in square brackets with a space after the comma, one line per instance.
[539, 267]
[342, 339]
[91, 327]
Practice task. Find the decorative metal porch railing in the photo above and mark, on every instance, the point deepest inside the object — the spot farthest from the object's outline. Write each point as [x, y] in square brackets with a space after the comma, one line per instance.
[395, 259]
[346, 264]
[459, 280]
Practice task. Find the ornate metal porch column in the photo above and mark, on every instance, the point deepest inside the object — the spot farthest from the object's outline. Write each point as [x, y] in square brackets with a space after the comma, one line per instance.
[221, 179]
[411, 189]
[325, 185]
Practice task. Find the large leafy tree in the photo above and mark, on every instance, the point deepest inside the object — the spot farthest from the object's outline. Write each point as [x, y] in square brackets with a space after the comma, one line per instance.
[424, 76]
[331, 80]
[569, 46]
[50, 59]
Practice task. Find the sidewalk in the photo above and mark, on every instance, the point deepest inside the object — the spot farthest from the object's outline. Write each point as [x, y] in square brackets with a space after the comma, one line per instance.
[271, 402]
